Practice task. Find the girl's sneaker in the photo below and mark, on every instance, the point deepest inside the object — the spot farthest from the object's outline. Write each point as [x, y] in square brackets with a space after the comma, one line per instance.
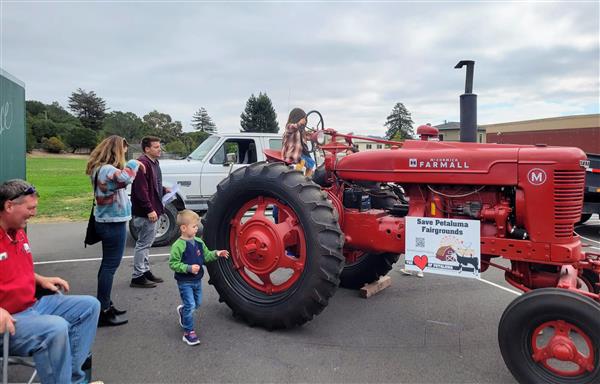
[190, 338]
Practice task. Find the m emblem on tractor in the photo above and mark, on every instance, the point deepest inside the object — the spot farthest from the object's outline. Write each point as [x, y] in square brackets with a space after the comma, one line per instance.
[537, 176]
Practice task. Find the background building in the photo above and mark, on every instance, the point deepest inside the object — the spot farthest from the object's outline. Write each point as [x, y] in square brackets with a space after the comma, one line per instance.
[581, 131]
[450, 131]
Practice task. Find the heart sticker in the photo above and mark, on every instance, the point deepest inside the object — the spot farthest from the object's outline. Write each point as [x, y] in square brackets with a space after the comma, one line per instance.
[421, 261]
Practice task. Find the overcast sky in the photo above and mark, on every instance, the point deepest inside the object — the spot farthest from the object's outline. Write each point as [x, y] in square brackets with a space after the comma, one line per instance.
[350, 60]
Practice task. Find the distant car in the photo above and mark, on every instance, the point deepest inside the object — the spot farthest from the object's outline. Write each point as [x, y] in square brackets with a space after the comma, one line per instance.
[198, 175]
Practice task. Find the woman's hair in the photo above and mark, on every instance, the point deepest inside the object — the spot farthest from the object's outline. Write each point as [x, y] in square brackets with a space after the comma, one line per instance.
[110, 151]
[296, 115]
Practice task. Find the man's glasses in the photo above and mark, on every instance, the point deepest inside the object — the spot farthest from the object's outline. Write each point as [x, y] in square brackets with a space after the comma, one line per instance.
[27, 191]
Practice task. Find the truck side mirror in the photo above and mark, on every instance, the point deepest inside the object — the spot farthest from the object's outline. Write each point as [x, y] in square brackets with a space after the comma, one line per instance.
[231, 158]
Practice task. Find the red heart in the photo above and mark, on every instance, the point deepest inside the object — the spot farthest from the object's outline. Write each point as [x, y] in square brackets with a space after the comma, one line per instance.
[421, 261]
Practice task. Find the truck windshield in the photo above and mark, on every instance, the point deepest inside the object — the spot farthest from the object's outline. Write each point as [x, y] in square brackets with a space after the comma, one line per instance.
[203, 149]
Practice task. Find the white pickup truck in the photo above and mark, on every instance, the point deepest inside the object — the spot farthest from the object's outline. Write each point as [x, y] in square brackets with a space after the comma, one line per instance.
[199, 174]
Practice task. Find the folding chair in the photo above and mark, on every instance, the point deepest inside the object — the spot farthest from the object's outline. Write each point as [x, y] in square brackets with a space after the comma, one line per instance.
[14, 360]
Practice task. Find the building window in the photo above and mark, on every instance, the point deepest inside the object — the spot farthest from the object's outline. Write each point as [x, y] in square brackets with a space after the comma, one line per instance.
[481, 137]
[441, 137]
[369, 146]
[379, 146]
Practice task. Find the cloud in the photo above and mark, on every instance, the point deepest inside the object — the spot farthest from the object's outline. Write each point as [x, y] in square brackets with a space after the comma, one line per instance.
[352, 61]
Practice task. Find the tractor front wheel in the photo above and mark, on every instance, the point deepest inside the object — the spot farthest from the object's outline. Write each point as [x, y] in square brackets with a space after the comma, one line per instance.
[284, 267]
[551, 335]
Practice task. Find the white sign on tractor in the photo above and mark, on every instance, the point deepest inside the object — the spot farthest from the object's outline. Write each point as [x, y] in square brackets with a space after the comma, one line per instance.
[443, 246]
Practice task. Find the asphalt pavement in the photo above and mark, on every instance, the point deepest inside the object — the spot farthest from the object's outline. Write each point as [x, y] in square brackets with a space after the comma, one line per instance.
[430, 330]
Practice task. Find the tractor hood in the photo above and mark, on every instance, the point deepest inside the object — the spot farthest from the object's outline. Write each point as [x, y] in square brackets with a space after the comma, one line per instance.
[434, 162]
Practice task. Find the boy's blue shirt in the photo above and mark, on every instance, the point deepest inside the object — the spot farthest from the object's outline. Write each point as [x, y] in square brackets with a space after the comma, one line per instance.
[185, 253]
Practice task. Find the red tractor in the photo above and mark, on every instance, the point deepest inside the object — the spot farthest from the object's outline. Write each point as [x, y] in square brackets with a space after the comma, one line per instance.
[346, 227]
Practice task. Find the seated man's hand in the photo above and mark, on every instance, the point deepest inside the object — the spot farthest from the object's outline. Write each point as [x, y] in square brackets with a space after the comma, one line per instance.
[7, 322]
[52, 283]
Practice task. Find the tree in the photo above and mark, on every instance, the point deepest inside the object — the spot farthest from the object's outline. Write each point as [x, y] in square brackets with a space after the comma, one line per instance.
[89, 108]
[161, 125]
[34, 107]
[259, 115]
[58, 114]
[399, 124]
[81, 137]
[126, 124]
[202, 122]
[54, 145]
[176, 147]
[193, 139]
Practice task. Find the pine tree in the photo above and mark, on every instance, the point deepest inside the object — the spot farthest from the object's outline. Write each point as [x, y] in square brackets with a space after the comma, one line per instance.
[399, 124]
[89, 108]
[259, 115]
[202, 122]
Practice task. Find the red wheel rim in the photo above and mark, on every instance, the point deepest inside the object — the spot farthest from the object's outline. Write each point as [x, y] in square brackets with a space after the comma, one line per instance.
[269, 256]
[563, 348]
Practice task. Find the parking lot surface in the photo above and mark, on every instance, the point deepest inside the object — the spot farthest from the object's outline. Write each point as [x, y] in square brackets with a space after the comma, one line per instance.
[430, 330]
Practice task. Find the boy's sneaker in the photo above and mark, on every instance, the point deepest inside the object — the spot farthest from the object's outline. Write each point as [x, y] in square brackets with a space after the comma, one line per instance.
[190, 338]
[180, 313]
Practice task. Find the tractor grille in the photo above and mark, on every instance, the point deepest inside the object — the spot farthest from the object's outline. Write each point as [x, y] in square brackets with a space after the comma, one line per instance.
[568, 198]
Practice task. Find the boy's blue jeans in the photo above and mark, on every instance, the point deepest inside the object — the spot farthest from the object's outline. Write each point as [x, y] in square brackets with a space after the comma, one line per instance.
[58, 331]
[191, 296]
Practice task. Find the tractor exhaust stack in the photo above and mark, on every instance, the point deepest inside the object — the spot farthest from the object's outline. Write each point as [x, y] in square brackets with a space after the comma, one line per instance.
[468, 105]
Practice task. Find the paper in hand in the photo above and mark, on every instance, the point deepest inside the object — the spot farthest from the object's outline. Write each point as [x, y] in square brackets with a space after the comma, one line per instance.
[168, 197]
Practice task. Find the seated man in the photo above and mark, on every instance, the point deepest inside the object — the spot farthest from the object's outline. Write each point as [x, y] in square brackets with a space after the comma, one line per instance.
[57, 330]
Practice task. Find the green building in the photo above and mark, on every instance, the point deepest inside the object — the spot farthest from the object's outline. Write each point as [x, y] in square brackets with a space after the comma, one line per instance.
[12, 127]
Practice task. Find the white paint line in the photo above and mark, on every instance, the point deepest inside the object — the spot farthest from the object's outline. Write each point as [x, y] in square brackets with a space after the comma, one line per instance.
[89, 259]
[501, 287]
[585, 238]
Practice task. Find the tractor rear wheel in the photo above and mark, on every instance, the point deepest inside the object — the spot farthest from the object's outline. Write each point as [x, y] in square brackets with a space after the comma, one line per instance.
[283, 268]
[551, 335]
[363, 268]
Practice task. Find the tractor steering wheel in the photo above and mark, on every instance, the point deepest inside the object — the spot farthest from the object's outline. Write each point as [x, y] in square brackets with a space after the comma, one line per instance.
[320, 125]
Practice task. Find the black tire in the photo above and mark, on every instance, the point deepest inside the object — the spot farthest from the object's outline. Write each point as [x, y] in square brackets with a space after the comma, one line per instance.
[324, 240]
[167, 231]
[584, 217]
[531, 310]
[367, 269]
[592, 279]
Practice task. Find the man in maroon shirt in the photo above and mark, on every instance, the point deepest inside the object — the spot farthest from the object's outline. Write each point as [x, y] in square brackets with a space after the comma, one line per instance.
[57, 330]
[146, 208]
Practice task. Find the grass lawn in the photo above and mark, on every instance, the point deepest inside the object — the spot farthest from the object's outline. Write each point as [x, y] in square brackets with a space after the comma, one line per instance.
[65, 190]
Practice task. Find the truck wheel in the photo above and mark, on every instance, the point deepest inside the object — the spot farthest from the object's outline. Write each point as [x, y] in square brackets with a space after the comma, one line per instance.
[279, 274]
[363, 268]
[551, 335]
[167, 230]
[584, 217]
